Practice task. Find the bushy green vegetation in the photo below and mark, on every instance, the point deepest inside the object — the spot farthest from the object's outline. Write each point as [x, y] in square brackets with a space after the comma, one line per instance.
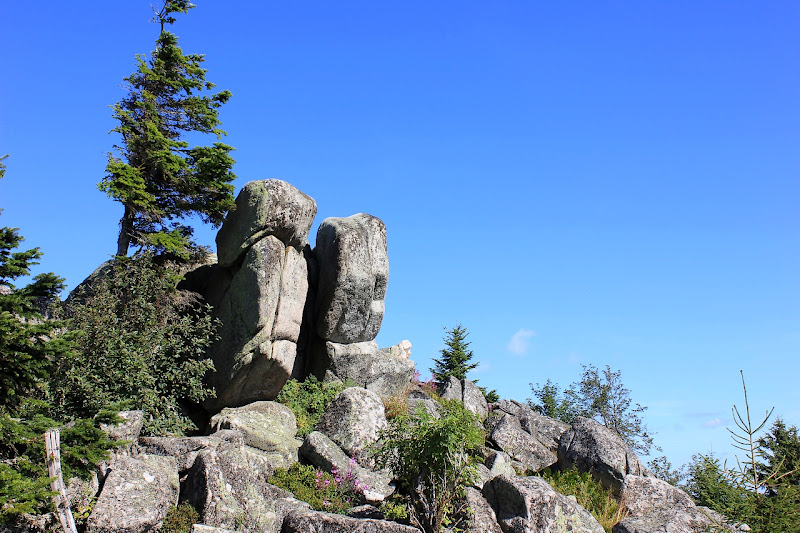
[333, 493]
[433, 460]
[138, 340]
[308, 399]
[589, 493]
[600, 395]
[180, 519]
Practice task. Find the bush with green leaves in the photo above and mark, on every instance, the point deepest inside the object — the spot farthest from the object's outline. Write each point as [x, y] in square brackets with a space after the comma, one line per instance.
[180, 519]
[433, 460]
[333, 493]
[589, 493]
[141, 341]
[308, 399]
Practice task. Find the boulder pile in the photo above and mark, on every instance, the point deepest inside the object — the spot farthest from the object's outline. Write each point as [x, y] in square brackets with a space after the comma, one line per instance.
[290, 311]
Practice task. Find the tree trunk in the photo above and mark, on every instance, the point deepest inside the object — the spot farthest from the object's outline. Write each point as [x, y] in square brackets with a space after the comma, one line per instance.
[125, 231]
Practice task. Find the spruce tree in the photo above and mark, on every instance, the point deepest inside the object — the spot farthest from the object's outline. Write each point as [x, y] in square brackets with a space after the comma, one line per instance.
[156, 176]
[455, 357]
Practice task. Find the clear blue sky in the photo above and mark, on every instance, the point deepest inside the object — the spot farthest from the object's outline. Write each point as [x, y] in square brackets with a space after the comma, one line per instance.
[607, 182]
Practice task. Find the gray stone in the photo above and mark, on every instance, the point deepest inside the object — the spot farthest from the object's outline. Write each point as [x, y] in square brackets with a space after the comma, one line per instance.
[263, 208]
[643, 495]
[591, 447]
[353, 420]
[227, 486]
[673, 521]
[267, 426]
[136, 495]
[353, 275]
[417, 397]
[183, 449]
[381, 372]
[520, 445]
[474, 399]
[546, 430]
[530, 505]
[319, 522]
[499, 463]
[129, 429]
[451, 389]
[262, 312]
[323, 453]
[201, 528]
[482, 518]
[511, 407]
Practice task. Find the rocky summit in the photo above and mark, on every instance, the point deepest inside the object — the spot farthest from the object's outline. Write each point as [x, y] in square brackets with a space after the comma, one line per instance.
[290, 311]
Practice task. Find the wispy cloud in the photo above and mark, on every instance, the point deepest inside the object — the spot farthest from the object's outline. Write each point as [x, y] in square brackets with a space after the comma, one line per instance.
[714, 422]
[520, 341]
[482, 368]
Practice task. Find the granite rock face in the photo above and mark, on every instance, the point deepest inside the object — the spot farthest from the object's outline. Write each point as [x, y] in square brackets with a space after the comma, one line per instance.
[509, 436]
[353, 420]
[591, 447]
[530, 505]
[263, 208]
[353, 274]
[385, 372]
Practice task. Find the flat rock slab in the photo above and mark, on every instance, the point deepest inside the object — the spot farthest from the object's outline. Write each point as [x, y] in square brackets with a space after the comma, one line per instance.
[319, 522]
[530, 505]
[136, 495]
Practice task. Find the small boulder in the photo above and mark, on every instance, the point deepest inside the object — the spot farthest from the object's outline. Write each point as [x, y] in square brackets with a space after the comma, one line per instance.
[643, 495]
[267, 426]
[546, 430]
[520, 445]
[353, 420]
[136, 495]
[530, 505]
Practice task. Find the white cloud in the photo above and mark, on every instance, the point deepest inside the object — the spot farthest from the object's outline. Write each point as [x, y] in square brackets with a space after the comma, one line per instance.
[714, 422]
[482, 368]
[520, 341]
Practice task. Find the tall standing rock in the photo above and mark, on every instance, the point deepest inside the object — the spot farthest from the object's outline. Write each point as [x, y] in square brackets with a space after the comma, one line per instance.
[260, 245]
[353, 275]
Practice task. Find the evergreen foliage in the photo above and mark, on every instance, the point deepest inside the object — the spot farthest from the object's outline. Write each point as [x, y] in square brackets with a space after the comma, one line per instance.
[156, 175]
[433, 461]
[140, 341]
[455, 360]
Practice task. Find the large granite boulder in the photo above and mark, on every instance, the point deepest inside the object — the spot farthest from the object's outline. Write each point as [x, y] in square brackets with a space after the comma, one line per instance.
[482, 518]
[323, 453]
[267, 426]
[509, 436]
[643, 495]
[226, 485]
[546, 430]
[267, 207]
[530, 505]
[353, 420]
[136, 495]
[385, 372]
[591, 447]
[262, 312]
[185, 449]
[353, 275]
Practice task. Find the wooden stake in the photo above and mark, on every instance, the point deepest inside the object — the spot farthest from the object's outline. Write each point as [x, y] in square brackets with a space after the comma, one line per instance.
[52, 443]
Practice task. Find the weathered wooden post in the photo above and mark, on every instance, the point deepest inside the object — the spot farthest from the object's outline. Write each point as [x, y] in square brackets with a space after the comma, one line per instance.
[52, 443]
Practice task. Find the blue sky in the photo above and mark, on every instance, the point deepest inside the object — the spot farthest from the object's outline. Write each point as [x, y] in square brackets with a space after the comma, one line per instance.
[576, 183]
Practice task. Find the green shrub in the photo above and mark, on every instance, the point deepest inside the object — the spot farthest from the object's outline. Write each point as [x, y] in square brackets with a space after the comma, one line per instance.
[180, 519]
[139, 340]
[589, 493]
[308, 400]
[333, 493]
[433, 461]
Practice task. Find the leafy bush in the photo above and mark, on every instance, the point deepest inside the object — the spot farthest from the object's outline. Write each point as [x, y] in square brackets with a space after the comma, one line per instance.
[140, 340]
[433, 461]
[180, 519]
[333, 493]
[590, 494]
[308, 400]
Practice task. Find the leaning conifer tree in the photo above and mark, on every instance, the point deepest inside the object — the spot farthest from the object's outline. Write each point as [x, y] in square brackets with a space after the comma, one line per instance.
[155, 174]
